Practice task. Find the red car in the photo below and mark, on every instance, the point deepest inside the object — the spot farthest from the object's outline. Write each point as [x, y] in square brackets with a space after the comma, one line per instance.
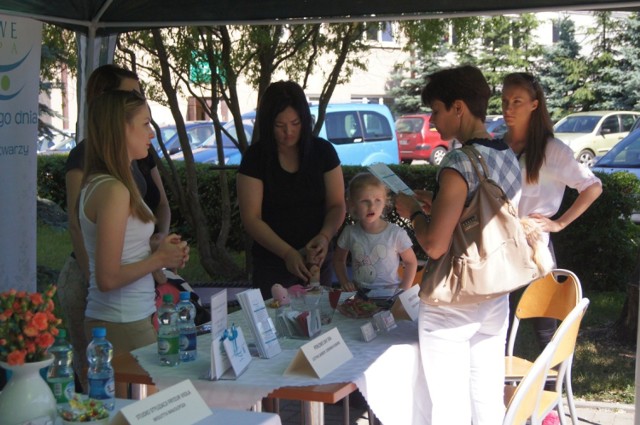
[419, 139]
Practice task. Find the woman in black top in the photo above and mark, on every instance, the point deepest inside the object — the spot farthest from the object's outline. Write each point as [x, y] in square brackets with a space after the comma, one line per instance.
[290, 191]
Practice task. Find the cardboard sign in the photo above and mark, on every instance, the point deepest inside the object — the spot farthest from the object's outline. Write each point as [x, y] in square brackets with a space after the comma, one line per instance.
[219, 360]
[180, 403]
[320, 356]
[407, 304]
[237, 352]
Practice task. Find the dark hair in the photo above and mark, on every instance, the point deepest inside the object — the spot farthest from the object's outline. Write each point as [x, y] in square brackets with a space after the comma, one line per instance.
[275, 99]
[106, 78]
[540, 125]
[464, 83]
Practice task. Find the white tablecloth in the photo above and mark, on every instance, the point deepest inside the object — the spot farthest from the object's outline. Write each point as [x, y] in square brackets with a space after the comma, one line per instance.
[386, 370]
[218, 416]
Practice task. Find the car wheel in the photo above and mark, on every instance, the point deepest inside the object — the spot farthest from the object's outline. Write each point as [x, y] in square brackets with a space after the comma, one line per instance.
[586, 157]
[436, 155]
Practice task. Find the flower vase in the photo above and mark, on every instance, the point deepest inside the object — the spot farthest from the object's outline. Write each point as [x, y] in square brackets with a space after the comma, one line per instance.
[26, 397]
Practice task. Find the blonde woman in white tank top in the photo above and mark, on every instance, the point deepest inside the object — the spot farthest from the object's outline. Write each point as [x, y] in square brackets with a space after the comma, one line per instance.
[116, 224]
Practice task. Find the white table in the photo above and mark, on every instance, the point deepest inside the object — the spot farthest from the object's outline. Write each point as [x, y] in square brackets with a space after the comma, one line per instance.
[386, 370]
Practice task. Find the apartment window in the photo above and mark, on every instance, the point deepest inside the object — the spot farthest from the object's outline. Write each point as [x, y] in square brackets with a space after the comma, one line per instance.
[380, 31]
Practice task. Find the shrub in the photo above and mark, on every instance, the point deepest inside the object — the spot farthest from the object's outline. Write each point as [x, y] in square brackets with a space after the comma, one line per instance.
[601, 247]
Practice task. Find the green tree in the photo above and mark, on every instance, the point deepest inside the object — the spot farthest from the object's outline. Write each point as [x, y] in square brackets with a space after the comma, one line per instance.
[253, 53]
[562, 71]
[604, 85]
[630, 63]
[55, 55]
[507, 45]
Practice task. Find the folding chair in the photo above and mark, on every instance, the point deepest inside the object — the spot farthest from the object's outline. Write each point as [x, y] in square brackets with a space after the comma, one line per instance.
[529, 399]
[554, 295]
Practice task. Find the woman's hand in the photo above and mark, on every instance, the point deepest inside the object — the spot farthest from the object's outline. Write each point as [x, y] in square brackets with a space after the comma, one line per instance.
[545, 224]
[425, 197]
[317, 249]
[155, 240]
[173, 251]
[407, 205]
[349, 286]
[296, 264]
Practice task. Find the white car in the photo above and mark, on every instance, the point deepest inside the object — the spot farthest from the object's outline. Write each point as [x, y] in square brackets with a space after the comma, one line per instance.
[591, 134]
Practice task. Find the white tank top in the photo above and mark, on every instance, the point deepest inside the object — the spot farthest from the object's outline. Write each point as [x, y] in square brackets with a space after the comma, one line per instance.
[134, 301]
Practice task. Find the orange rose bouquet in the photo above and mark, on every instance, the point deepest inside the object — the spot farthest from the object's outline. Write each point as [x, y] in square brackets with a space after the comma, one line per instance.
[28, 325]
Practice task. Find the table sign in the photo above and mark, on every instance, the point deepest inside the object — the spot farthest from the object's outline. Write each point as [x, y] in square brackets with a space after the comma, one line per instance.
[320, 356]
[180, 403]
[407, 304]
[237, 351]
[219, 361]
[368, 332]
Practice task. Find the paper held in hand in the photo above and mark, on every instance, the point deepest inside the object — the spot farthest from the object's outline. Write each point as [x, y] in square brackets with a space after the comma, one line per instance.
[389, 178]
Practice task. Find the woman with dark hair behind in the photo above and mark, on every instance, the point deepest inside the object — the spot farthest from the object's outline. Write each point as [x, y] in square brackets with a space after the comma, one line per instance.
[461, 346]
[548, 166]
[290, 192]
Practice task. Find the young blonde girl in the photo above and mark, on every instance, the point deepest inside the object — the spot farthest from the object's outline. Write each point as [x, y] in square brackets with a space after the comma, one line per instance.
[376, 245]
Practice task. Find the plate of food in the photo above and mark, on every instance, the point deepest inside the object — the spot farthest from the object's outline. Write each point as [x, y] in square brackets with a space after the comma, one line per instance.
[357, 308]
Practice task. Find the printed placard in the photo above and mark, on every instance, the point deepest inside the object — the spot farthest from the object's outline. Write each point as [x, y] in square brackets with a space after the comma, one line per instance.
[407, 304]
[320, 356]
[237, 351]
[180, 403]
[219, 313]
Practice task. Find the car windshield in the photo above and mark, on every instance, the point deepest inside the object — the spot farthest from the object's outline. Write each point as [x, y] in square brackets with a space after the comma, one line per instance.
[625, 154]
[409, 125]
[226, 141]
[577, 124]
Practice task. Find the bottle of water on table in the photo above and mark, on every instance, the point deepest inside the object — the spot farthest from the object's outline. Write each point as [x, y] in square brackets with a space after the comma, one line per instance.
[187, 327]
[168, 335]
[60, 373]
[100, 373]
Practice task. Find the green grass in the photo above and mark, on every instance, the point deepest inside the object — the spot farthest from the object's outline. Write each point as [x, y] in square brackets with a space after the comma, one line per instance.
[54, 246]
[603, 368]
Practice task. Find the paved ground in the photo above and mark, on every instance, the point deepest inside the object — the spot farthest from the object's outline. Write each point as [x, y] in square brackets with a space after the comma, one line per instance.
[589, 413]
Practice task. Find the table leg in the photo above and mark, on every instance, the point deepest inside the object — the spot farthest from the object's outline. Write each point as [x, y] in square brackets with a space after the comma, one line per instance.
[313, 413]
[345, 411]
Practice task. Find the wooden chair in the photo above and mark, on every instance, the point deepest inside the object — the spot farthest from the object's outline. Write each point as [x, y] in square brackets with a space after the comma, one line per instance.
[554, 295]
[529, 399]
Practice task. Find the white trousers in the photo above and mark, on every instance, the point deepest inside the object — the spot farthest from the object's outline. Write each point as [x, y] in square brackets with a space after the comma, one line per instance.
[462, 350]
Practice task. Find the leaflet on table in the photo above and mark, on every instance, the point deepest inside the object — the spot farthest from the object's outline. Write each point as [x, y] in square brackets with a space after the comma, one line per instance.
[262, 326]
[219, 359]
[389, 178]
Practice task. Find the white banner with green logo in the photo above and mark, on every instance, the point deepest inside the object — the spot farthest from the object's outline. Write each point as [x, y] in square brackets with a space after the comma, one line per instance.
[20, 41]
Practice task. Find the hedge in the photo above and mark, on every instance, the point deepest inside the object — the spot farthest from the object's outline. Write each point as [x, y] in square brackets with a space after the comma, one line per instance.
[601, 247]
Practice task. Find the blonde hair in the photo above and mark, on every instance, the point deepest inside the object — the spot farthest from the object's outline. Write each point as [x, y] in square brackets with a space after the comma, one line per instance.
[106, 151]
[363, 180]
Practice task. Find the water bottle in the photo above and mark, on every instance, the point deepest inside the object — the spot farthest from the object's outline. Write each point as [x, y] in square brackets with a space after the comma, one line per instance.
[168, 335]
[100, 373]
[60, 373]
[187, 327]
